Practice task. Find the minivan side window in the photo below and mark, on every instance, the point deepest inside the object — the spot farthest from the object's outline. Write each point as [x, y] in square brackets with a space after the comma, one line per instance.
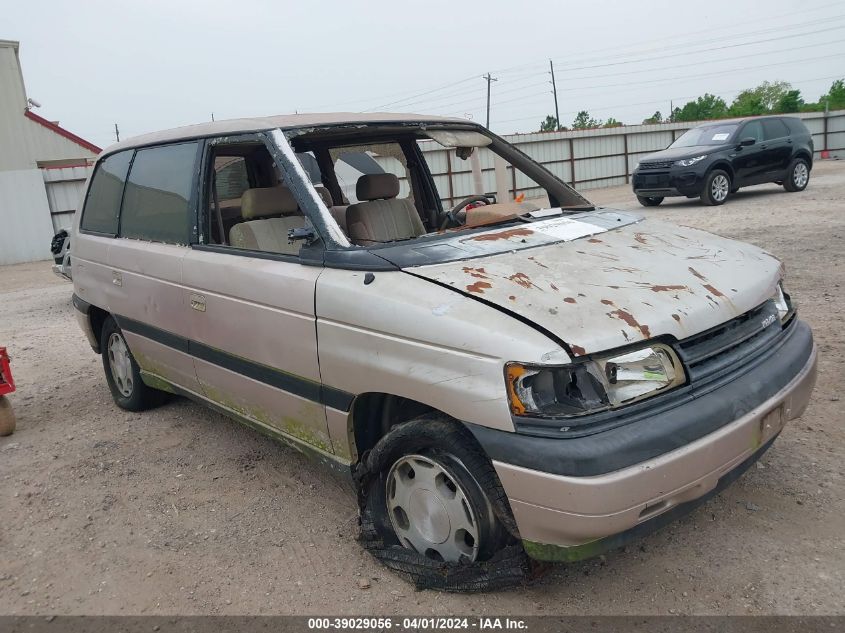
[102, 206]
[156, 205]
[774, 128]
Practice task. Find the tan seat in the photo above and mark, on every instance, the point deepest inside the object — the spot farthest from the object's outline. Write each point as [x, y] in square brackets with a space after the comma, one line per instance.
[268, 213]
[381, 216]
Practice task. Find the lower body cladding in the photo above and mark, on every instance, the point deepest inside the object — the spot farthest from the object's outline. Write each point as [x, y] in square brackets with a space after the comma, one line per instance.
[566, 517]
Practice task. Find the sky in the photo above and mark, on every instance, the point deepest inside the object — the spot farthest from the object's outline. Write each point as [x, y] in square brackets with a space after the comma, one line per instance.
[158, 64]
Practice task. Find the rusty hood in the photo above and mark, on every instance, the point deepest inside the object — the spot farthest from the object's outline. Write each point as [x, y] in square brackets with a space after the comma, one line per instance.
[600, 288]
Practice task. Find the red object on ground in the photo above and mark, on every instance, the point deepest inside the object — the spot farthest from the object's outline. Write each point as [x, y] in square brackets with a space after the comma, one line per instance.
[825, 154]
[7, 383]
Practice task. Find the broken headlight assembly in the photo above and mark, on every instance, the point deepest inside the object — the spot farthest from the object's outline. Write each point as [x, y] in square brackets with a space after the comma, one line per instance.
[784, 303]
[588, 386]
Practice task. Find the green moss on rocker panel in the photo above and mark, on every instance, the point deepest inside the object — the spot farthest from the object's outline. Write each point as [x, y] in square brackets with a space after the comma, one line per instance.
[155, 382]
[561, 554]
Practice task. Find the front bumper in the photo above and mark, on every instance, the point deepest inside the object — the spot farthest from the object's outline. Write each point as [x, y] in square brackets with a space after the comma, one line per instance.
[565, 517]
[665, 183]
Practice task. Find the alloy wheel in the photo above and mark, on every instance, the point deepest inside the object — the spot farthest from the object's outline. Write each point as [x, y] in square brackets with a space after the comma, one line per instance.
[800, 175]
[719, 188]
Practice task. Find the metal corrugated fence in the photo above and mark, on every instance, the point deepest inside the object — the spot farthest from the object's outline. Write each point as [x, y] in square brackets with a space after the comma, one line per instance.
[589, 159]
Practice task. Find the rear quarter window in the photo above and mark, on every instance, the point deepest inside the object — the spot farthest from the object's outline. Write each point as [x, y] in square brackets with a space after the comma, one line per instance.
[157, 203]
[774, 128]
[102, 204]
[796, 126]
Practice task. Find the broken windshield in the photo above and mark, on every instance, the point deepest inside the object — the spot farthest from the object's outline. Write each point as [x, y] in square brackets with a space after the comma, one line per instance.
[397, 183]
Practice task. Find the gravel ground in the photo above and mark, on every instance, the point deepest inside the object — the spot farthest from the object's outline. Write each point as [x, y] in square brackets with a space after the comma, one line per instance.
[181, 511]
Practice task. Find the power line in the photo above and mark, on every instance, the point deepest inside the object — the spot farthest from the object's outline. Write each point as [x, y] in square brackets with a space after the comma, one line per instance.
[544, 83]
[617, 51]
[705, 50]
[591, 55]
[709, 74]
[623, 105]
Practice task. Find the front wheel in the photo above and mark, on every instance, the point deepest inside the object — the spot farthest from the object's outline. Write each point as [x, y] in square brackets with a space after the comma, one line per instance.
[434, 492]
[123, 374]
[797, 175]
[649, 201]
[717, 186]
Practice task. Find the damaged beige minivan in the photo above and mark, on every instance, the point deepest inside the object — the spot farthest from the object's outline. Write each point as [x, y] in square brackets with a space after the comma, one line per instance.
[498, 364]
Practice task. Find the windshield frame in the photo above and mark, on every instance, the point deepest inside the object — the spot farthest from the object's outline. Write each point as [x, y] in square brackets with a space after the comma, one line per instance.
[332, 237]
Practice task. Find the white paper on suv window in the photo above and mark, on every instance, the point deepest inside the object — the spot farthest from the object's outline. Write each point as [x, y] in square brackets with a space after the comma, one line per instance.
[721, 136]
[566, 228]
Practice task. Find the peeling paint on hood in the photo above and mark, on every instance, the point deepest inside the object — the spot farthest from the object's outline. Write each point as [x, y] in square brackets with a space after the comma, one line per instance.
[604, 289]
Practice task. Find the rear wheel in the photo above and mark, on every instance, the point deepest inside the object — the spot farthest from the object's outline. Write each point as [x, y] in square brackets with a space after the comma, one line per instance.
[122, 372]
[797, 175]
[717, 186]
[649, 201]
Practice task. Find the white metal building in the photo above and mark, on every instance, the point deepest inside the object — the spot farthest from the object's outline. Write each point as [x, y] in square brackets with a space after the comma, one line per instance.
[43, 168]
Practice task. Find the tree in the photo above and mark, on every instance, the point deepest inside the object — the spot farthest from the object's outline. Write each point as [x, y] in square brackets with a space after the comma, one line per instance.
[707, 106]
[584, 121]
[549, 125]
[790, 101]
[748, 103]
[763, 99]
[836, 95]
[611, 122]
[654, 118]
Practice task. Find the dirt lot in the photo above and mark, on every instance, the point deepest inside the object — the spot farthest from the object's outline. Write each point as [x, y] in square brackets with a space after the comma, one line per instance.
[181, 511]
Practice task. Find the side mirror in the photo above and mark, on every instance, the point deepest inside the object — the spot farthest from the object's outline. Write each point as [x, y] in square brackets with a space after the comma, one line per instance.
[747, 141]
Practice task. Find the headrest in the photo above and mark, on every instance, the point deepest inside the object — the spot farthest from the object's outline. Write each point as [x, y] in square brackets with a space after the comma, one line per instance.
[377, 187]
[267, 201]
[326, 196]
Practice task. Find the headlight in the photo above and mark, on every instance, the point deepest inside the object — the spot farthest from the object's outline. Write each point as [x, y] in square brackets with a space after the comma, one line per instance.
[688, 162]
[783, 302]
[592, 385]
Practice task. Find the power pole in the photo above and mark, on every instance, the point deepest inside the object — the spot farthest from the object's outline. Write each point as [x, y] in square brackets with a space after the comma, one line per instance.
[554, 90]
[116, 133]
[212, 117]
[489, 79]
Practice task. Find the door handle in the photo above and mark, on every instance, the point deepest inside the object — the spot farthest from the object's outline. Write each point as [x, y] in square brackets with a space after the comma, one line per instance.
[764, 146]
[117, 278]
[198, 302]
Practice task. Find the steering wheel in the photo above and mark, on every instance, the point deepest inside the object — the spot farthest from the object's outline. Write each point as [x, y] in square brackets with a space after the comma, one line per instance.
[451, 217]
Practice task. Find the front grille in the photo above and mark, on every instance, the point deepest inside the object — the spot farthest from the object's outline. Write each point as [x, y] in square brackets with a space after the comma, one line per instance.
[659, 164]
[732, 344]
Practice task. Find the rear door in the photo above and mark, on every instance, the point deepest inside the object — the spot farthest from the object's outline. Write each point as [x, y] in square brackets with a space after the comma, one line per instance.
[146, 295]
[777, 145]
[251, 317]
[750, 160]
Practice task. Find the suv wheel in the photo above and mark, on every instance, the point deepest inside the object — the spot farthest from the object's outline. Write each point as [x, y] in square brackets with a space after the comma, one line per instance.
[717, 186]
[122, 372]
[798, 175]
[649, 201]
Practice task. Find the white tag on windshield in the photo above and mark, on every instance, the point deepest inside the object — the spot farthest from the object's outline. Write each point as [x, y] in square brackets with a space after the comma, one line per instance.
[544, 213]
[721, 136]
[567, 229]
